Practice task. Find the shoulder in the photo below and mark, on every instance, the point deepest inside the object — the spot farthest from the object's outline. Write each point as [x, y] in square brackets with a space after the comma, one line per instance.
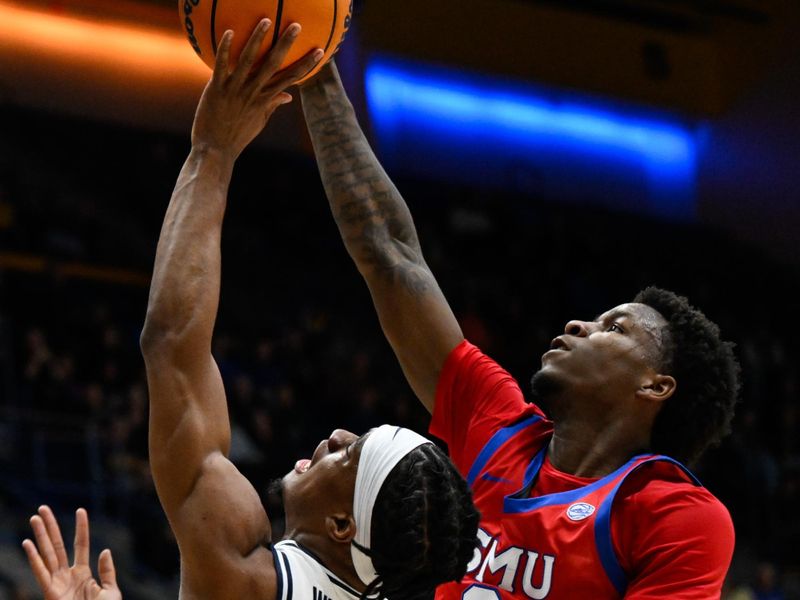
[474, 381]
[662, 489]
[228, 576]
[475, 398]
[664, 522]
[223, 533]
[468, 361]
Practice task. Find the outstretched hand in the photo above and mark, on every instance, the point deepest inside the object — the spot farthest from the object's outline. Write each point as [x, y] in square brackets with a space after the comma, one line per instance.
[237, 103]
[49, 561]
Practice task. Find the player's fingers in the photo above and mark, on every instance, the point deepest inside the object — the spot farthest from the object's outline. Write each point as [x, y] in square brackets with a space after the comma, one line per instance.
[251, 51]
[276, 102]
[105, 567]
[91, 590]
[276, 57]
[223, 58]
[295, 72]
[82, 537]
[43, 543]
[40, 571]
[54, 532]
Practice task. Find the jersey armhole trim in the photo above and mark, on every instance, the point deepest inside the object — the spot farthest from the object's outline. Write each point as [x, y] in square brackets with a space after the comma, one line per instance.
[499, 438]
[279, 575]
[283, 573]
[602, 527]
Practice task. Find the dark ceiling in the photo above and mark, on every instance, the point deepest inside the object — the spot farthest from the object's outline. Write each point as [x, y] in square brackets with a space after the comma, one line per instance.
[732, 66]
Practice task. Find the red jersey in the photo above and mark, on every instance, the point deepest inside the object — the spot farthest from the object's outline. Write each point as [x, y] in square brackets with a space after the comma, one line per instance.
[647, 530]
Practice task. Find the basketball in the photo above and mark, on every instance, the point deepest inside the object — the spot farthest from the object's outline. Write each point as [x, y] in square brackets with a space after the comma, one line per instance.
[324, 25]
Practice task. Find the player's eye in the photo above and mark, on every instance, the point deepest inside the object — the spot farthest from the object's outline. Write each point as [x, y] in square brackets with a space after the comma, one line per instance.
[615, 327]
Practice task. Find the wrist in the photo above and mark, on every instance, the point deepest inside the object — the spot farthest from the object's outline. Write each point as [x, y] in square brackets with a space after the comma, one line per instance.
[210, 154]
[328, 72]
[326, 85]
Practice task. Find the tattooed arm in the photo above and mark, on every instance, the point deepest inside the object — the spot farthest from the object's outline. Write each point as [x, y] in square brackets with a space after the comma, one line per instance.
[379, 234]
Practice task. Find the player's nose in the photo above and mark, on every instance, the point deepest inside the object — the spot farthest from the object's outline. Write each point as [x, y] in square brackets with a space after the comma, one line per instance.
[340, 438]
[578, 328]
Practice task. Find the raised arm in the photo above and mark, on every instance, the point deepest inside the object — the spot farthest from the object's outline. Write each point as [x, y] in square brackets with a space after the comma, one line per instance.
[380, 236]
[215, 513]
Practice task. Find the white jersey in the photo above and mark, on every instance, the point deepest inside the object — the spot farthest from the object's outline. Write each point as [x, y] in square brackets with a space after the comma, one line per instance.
[301, 576]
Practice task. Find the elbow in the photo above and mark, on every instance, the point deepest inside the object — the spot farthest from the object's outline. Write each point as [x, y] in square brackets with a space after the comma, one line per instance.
[172, 340]
[150, 339]
[156, 338]
[382, 259]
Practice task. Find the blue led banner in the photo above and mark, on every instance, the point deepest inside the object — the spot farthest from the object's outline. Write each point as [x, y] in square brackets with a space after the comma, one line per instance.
[474, 130]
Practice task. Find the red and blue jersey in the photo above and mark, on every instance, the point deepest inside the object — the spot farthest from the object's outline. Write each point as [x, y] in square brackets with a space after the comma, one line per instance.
[647, 530]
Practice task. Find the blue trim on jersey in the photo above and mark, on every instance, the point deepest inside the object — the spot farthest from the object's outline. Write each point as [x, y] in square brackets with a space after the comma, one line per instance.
[498, 439]
[605, 546]
[288, 577]
[517, 503]
[308, 552]
[333, 579]
[346, 587]
[533, 468]
[492, 478]
[602, 525]
[276, 558]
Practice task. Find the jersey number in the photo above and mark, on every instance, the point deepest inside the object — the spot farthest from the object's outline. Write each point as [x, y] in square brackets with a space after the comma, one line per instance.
[478, 592]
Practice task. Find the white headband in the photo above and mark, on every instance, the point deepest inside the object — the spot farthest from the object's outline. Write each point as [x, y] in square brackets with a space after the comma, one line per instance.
[385, 447]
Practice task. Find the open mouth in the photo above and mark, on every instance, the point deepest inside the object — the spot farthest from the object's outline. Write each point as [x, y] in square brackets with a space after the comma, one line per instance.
[304, 464]
[558, 344]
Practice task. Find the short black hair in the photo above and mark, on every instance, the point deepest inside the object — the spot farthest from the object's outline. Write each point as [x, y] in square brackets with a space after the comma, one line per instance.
[424, 527]
[706, 370]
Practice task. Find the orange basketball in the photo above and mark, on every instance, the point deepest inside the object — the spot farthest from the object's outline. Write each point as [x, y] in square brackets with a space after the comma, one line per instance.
[324, 25]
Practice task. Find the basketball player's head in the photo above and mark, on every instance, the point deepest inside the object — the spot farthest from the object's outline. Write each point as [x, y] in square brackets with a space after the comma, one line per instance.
[658, 361]
[390, 504]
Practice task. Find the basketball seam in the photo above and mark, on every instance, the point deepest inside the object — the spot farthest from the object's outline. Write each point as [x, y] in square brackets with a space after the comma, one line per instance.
[330, 38]
[214, 27]
[333, 25]
[278, 16]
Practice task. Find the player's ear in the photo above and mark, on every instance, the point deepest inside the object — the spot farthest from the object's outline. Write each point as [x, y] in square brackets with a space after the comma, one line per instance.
[657, 388]
[341, 527]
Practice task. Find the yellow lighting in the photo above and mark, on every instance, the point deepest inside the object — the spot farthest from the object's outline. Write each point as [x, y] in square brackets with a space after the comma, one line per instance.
[119, 47]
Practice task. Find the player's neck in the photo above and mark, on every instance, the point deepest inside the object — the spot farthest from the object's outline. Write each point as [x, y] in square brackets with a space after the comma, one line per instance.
[581, 449]
[336, 557]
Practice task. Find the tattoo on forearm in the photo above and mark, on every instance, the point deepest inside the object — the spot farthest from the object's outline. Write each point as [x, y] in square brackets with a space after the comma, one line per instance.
[373, 218]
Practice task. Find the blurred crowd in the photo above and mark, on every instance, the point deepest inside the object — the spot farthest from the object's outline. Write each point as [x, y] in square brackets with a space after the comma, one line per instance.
[299, 347]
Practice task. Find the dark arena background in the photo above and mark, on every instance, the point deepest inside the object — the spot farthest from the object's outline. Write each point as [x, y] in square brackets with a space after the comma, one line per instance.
[557, 157]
